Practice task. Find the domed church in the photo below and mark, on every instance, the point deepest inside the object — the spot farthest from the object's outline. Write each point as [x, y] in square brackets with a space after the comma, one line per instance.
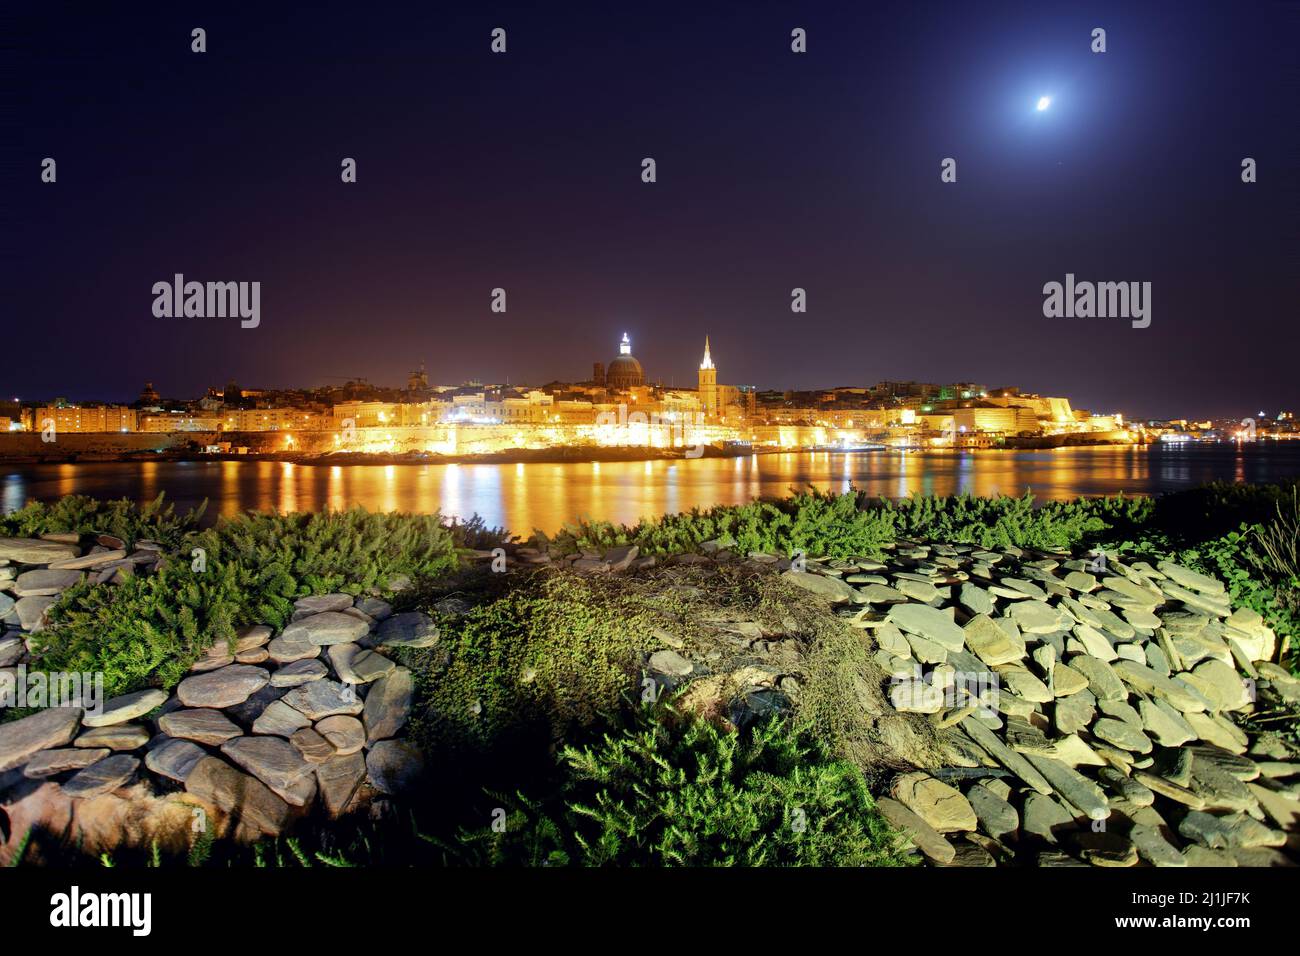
[624, 371]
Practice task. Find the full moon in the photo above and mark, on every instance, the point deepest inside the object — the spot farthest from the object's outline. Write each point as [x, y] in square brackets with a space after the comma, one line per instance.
[1044, 102]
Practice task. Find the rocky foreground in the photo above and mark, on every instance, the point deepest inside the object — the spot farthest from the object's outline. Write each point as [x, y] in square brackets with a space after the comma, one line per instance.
[1033, 708]
[253, 739]
[1087, 711]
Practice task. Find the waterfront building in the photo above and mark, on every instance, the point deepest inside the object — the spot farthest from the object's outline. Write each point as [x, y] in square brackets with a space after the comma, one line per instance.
[86, 418]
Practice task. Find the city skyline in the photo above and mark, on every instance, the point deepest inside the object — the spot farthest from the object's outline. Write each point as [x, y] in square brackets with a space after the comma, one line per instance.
[776, 171]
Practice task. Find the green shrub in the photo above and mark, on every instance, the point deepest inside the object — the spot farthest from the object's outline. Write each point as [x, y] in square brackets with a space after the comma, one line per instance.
[854, 525]
[150, 629]
[673, 790]
[123, 519]
[553, 654]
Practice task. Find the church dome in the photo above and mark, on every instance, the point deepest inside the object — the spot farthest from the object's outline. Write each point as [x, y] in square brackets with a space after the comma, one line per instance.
[624, 370]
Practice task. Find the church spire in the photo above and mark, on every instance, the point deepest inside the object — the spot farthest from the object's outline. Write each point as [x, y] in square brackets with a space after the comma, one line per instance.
[708, 359]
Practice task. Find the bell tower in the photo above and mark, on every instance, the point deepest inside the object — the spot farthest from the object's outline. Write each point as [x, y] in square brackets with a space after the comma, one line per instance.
[708, 385]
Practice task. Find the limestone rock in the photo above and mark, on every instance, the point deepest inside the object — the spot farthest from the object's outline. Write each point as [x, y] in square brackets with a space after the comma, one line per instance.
[340, 778]
[203, 725]
[345, 734]
[174, 759]
[388, 705]
[832, 589]
[50, 728]
[245, 798]
[325, 628]
[102, 777]
[280, 720]
[222, 688]
[47, 763]
[325, 698]
[409, 629]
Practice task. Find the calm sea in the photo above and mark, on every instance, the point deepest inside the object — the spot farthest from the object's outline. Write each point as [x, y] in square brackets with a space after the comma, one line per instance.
[544, 496]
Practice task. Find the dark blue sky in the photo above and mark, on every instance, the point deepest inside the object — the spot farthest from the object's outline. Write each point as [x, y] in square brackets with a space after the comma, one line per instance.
[775, 170]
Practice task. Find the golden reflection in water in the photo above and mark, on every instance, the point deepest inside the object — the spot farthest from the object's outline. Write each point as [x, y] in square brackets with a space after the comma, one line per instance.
[521, 497]
[288, 487]
[229, 505]
[335, 496]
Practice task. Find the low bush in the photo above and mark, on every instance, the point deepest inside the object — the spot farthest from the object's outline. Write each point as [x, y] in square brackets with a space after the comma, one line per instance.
[154, 520]
[552, 654]
[670, 789]
[249, 569]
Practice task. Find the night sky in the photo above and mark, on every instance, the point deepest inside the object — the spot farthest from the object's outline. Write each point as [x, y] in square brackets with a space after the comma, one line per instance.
[775, 170]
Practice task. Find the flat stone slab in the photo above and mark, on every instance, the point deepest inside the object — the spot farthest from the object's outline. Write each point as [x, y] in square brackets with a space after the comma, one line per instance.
[280, 720]
[318, 603]
[299, 672]
[92, 560]
[174, 759]
[1121, 734]
[36, 550]
[12, 649]
[222, 688]
[103, 776]
[127, 707]
[340, 658]
[273, 760]
[245, 798]
[44, 582]
[1077, 789]
[114, 737]
[1102, 679]
[1035, 617]
[388, 705]
[50, 728]
[340, 778]
[203, 725]
[393, 765]
[941, 806]
[409, 629]
[248, 638]
[345, 734]
[374, 607]
[328, 627]
[1144, 679]
[928, 622]
[31, 611]
[284, 650]
[1004, 755]
[1192, 579]
[925, 837]
[313, 747]
[989, 642]
[325, 698]
[47, 763]
[996, 816]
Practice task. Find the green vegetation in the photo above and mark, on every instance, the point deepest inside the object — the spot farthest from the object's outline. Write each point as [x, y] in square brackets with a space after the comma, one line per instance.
[1245, 534]
[670, 789]
[149, 630]
[854, 525]
[550, 655]
[531, 689]
[154, 521]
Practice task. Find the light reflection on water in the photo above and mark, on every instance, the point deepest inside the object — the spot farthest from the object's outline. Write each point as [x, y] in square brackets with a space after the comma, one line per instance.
[522, 497]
